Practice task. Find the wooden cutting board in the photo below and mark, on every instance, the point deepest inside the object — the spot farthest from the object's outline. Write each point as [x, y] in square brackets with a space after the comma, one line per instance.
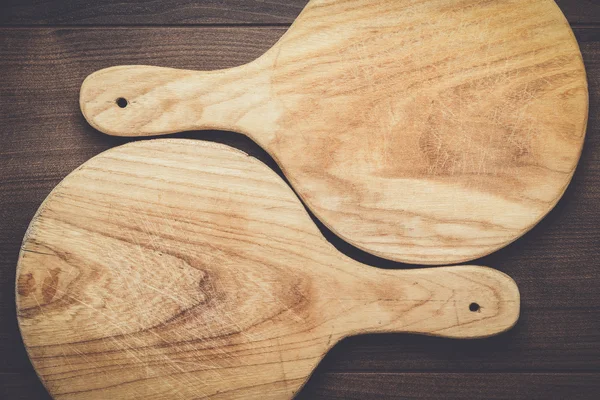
[178, 269]
[430, 131]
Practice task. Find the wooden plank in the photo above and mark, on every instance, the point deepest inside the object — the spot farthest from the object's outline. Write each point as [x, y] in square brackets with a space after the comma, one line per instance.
[366, 386]
[22, 386]
[191, 12]
[580, 11]
[526, 386]
[135, 12]
[44, 137]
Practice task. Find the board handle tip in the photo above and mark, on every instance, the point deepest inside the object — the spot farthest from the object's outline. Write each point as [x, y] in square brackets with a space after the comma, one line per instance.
[461, 302]
[490, 302]
[137, 100]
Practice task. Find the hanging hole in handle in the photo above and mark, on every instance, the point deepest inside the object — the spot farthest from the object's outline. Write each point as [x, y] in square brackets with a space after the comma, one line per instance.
[474, 307]
[122, 102]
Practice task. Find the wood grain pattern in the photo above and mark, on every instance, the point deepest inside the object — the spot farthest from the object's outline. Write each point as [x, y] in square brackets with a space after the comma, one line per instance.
[404, 137]
[551, 350]
[191, 12]
[183, 269]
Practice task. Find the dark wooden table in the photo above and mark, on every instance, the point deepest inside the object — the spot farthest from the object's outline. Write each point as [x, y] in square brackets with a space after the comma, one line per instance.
[48, 47]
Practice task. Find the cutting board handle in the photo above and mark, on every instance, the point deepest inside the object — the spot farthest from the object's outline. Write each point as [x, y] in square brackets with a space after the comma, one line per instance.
[457, 302]
[139, 100]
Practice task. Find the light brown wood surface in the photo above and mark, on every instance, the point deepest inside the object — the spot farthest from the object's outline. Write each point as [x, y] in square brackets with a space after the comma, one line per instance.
[180, 269]
[426, 132]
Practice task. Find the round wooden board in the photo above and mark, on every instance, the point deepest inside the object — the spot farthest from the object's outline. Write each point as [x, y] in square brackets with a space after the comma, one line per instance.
[177, 269]
[426, 132]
